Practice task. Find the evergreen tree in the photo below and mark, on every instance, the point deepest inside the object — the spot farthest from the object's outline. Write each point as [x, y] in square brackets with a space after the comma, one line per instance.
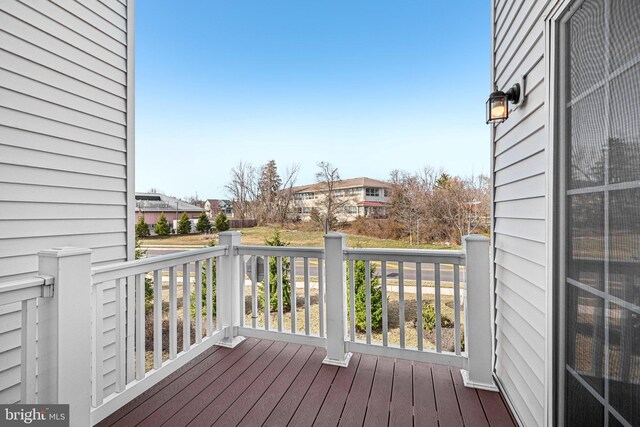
[148, 283]
[142, 228]
[222, 223]
[184, 225]
[204, 289]
[361, 296]
[203, 225]
[273, 277]
[162, 226]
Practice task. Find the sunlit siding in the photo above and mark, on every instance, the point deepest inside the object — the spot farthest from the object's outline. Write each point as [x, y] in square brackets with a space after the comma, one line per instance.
[63, 145]
[519, 235]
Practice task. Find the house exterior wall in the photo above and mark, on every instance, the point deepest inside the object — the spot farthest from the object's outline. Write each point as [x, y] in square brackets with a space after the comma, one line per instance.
[352, 198]
[520, 147]
[66, 146]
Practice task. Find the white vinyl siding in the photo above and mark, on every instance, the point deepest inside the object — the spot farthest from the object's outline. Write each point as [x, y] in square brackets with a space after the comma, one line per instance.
[63, 146]
[519, 233]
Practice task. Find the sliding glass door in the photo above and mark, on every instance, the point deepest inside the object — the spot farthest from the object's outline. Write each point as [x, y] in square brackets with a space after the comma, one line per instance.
[599, 213]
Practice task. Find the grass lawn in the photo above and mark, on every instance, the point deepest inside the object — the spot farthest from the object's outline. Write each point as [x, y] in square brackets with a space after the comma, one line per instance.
[258, 235]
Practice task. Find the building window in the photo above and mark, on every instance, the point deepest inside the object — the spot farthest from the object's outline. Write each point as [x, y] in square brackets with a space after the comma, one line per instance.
[386, 192]
[373, 192]
[351, 209]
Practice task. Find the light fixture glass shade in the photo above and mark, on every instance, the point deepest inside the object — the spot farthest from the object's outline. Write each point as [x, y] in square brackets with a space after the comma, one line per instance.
[497, 107]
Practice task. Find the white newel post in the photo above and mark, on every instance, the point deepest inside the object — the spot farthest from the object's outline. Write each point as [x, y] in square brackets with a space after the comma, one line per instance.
[477, 312]
[64, 333]
[336, 304]
[228, 290]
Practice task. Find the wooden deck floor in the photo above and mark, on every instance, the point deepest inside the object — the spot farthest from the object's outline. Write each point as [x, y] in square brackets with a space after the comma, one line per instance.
[273, 383]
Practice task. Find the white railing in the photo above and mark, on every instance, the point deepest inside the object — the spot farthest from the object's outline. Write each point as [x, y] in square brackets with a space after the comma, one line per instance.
[139, 287]
[107, 323]
[27, 292]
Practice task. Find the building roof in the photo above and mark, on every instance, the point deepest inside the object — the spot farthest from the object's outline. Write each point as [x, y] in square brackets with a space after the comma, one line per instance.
[157, 202]
[343, 184]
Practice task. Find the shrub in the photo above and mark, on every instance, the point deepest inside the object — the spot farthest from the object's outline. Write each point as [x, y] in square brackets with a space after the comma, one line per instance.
[162, 226]
[222, 223]
[273, 277]
[148, 283]
[203, 225]
[142, 228]
[204, 289]
[184, 225]
[360, 284]
[429, 318]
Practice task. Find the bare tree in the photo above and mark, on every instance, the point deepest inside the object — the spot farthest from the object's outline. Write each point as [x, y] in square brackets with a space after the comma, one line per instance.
[285, 198]
[329, 204]
[242, 189]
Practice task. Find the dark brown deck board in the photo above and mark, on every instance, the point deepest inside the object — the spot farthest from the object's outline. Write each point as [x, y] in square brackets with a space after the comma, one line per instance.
[263, 382]
[380, 399]
[446, 400]
[236, 401]
[203, 361]
[305, 359]
[333, 405]
[258, 356]
[495, 409]
[356, 406]
[191, 392]
[287, 406]
[469, 403]
[424, 399]
[306, 413]
[401, 411]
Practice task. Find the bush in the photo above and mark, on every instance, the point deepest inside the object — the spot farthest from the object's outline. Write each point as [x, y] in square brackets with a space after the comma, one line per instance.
[184, 225]
[148, 283]
[360, 284]
[203, 225]
[204, 289]
[429, 318]
[273, 278]
[162, 226]
[142, 228]
[222, 223]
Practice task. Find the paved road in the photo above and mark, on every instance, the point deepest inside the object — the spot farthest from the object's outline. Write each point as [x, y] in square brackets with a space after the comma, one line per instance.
[446, 271]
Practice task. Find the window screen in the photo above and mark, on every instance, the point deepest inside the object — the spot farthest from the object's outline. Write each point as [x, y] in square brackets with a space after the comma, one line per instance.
[599, 96]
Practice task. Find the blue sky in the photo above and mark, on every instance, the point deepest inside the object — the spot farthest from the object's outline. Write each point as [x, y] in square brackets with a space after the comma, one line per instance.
[369, 86]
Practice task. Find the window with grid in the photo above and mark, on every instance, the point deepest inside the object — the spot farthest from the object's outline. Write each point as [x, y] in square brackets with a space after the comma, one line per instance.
[599, 118]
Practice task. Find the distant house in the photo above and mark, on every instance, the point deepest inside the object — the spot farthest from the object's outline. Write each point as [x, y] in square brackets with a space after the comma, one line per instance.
[214, 206]
[151, 205]
[356, 197]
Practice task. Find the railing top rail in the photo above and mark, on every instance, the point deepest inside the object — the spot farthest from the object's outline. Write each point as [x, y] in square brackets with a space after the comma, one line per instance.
[406, 255]
[296, 251]
[15, 285]
[24, 289]
[119, 270]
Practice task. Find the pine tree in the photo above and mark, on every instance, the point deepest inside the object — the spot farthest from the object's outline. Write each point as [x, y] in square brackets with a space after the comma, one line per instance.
[273, 277]
[222, 223]
[162, 226]
[142, 228]
[204, 289]
[361, 296]
[203, 225]
[184, 225]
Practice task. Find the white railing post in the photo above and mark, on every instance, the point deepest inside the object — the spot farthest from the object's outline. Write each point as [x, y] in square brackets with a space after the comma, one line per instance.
[64, 333]
[477, 312]
[336, 295]
[228, 290]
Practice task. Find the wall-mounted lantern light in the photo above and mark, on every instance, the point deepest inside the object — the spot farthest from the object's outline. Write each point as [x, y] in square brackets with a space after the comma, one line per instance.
[498, 104]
